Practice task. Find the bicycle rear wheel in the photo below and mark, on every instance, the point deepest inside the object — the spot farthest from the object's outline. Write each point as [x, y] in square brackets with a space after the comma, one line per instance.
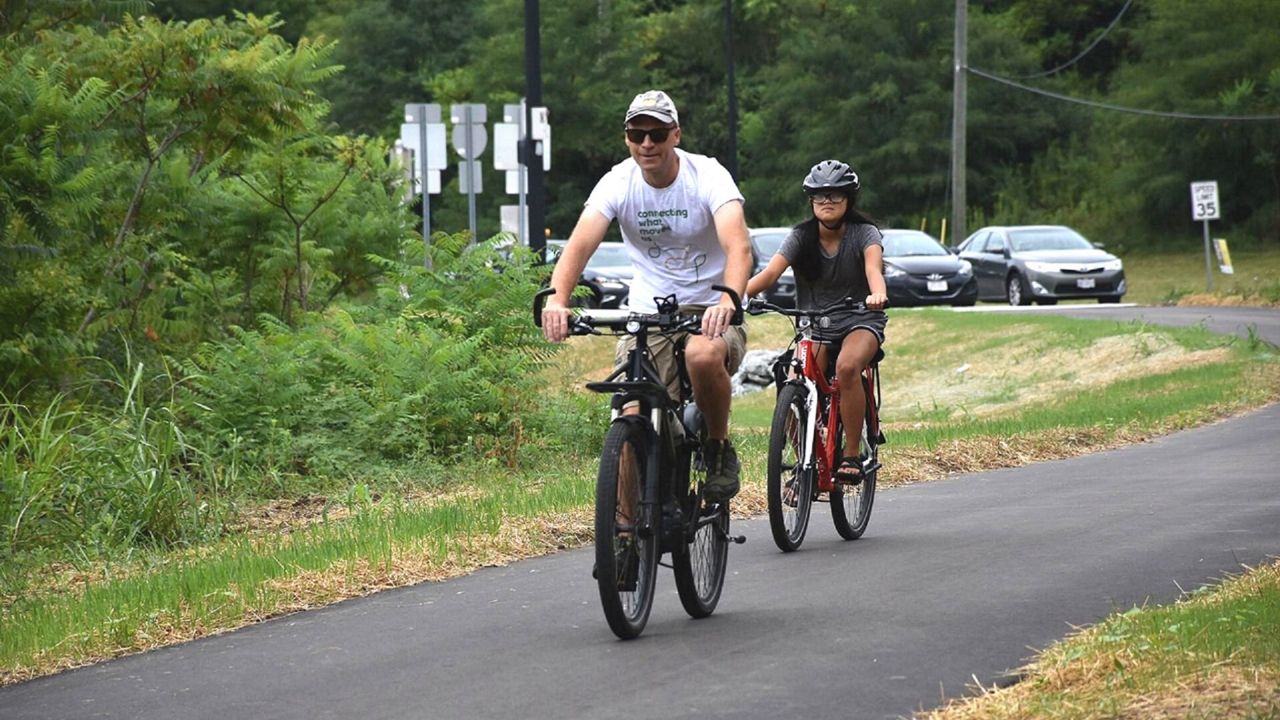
[626, 550]
[789, 485]
[851, 504]
[699, 566]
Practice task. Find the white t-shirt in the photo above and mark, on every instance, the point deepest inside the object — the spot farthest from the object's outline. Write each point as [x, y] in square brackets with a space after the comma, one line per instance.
[670, 232]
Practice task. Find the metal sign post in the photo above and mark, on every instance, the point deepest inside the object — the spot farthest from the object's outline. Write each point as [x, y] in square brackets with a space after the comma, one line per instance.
[1205, 207]
[470, 140]
[423, 135]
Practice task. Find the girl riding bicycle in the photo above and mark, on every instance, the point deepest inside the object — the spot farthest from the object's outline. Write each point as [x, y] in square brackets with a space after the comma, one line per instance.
[837, 253]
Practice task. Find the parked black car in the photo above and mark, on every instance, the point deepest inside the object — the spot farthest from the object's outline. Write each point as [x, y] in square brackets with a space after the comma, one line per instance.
[1042, 263]
[607, 276]
[919, 271]
[764, 245]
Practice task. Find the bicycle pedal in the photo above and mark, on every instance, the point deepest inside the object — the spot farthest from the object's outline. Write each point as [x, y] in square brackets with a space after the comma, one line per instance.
[881, 439]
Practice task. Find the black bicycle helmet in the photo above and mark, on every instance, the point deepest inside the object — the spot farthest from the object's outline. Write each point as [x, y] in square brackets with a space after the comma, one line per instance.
[831, 175]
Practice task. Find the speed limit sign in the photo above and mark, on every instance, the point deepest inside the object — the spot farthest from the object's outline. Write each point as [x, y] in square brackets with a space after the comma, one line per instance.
[1204, 200]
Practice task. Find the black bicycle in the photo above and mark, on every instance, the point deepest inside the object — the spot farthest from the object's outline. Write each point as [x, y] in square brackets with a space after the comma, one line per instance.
[646, 502]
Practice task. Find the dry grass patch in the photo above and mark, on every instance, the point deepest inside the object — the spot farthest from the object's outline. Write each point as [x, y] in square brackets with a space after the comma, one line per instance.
[1215, 300]
[993, 385]
[1102, 672]
[908, 465]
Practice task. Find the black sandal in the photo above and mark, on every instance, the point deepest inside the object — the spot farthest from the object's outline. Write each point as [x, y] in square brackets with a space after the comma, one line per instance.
[849, 471]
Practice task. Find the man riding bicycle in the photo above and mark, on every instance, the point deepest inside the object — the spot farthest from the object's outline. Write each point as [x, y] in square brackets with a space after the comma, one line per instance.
[682, 221]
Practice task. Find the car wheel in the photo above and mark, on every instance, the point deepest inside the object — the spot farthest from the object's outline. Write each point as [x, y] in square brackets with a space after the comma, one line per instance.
[1017, 290]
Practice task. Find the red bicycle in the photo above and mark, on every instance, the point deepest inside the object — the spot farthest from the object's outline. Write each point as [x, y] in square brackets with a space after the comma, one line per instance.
[807, 436]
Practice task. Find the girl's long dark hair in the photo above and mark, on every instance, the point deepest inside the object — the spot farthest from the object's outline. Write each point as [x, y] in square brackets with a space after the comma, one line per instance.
[808, 261]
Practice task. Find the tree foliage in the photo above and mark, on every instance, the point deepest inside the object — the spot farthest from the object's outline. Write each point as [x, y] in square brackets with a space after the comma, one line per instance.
[130, 146]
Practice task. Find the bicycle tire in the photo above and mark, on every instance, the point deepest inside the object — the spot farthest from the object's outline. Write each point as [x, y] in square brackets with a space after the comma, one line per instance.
[626, 559]
[700, 565]
[789, 486]
[851, 504]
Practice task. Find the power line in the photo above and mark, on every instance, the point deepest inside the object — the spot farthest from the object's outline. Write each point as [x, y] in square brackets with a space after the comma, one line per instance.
[1119, 108]
[1084, 52]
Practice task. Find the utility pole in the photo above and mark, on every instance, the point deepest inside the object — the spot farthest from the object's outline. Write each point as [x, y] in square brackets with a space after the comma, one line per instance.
[733, 92]
[960, 84]
[537, 193]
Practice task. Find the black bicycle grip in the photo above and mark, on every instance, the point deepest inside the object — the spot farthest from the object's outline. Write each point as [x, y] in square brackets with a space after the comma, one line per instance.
[538, 300]
[737, 303]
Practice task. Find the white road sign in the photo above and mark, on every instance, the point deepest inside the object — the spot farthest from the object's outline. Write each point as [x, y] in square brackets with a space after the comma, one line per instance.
[1204, 200]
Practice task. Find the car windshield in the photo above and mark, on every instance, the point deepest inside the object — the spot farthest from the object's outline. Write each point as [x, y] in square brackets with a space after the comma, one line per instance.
[904, 243]
[1048, 239]
[767, 244]
[609, 254]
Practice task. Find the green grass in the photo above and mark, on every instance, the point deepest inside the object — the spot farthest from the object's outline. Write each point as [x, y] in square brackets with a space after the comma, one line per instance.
[234, 580]
[1164, 278]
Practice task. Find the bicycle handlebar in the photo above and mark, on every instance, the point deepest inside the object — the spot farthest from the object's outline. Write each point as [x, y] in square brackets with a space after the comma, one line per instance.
[667, 319]
[758, 306]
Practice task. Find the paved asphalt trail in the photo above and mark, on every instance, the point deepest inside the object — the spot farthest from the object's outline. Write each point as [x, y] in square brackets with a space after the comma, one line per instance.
[958, 578]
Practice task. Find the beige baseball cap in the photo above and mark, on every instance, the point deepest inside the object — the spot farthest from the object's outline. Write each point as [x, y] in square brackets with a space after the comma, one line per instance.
[654, 103]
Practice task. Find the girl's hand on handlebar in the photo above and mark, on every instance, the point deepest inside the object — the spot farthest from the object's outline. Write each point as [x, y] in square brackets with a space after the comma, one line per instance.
[555, 322]
[877, 301]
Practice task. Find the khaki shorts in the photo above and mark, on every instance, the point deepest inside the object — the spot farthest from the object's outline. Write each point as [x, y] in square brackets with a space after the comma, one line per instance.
[662, 349]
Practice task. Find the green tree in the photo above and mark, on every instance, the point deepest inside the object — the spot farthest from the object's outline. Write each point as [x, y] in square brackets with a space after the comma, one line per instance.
[53, 178]
[388, 48]
[152, 117]
[1212, 59]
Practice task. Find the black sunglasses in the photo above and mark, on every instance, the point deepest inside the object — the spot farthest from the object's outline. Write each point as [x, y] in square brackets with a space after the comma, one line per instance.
[659, 134]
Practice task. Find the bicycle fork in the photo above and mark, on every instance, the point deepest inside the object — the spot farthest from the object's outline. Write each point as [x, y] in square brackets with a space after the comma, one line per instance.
[809, 463]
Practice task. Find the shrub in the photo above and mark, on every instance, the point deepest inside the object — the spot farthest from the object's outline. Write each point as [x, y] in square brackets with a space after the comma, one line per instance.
[439, 362]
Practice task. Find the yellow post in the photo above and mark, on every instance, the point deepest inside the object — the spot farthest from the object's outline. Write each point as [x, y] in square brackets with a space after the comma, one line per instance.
[942, 236]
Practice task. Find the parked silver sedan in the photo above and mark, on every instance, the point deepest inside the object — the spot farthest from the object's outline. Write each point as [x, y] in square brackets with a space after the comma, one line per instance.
[1021, 264]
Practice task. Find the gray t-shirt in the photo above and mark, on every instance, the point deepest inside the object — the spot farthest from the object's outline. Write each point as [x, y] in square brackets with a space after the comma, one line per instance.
[839, 277]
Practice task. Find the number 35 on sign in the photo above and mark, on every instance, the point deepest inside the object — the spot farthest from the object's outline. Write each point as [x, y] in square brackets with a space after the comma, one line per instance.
[1204, 200]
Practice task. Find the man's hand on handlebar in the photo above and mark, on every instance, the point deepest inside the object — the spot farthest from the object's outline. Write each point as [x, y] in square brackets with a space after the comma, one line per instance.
[555, 321]
[717, 318]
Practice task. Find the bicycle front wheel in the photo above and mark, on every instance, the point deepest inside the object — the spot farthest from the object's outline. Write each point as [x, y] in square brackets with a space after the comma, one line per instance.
[789, 486]
[851, 504]
[699, 568]
[626, 550]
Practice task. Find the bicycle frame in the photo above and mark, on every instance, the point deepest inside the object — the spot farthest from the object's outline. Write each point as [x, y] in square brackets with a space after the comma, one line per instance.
[669, 423]
[820, 453]
[667, 432]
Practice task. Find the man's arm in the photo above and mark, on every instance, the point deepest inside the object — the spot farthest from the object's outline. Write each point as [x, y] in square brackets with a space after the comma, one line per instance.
[582, 244]
[731, 229]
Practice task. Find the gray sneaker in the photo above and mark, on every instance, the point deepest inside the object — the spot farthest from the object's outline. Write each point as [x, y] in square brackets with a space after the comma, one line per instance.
[722, 469]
